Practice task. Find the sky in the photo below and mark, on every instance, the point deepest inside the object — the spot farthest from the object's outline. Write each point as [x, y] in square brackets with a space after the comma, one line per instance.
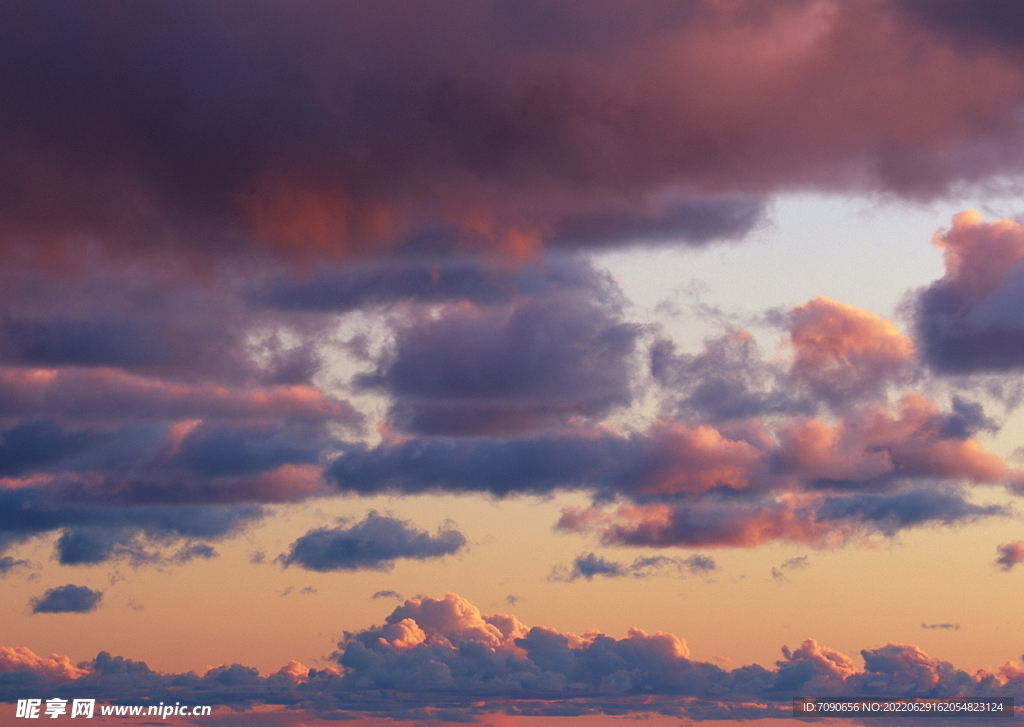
[528, 364]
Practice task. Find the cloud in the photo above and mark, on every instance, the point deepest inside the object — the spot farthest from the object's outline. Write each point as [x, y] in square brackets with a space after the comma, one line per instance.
[7, 564]
[729, 380]
[112, 395]
[844, 353]
[800, 518]
[589, 565]
[688, 221]
[969, 320]
[67, 599]
[1010, 554]
[55, 667]
[386, 594]
[460, 131]
[446, 654]
[97, 533]
[373, 544]
[478, 279]
[505, 369]
[798, 563]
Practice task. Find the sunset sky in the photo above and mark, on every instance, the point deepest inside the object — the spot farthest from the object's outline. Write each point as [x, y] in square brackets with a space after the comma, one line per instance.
[532, 364]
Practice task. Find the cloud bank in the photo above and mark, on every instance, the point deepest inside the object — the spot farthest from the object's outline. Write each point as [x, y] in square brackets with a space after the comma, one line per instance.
[432, 652]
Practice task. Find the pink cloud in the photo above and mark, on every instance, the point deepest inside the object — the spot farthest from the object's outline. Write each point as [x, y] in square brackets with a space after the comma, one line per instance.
[842, 352]
[103, 394]
[1010, 554]
[55, 667]
[872, 441]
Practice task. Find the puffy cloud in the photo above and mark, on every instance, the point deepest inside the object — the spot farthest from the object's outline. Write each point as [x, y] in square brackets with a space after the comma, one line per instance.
[906, 669]
[589, 565]
[373, 544]
[871, 445]
[969, 320]
[536, 362]
[55, 668]
[841, 352]
[813, 669]
[67, 599]
[444, 654]
[1010, 554]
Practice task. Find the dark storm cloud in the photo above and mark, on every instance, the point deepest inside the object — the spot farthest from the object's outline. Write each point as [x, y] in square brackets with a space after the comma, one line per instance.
[589, 565]
[373, 544]
[317, 129]
[67, 599]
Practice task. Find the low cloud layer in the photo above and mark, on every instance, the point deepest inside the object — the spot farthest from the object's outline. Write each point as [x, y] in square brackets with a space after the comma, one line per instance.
[446, 652]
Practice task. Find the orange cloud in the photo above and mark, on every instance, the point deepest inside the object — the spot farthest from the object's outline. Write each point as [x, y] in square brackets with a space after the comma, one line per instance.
[55, 667]
[842, 352]
[871, 442]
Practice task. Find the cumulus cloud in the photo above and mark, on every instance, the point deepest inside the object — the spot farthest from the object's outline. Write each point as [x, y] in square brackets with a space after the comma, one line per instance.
[495, 369]
[842, 352]
[588, 565]
[446, 653]
[969, 320]
[373, 544]
[55, 668]
[67, 599]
